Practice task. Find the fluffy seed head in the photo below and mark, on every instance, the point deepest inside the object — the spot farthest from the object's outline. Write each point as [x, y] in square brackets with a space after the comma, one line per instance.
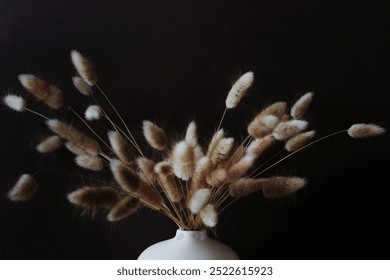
[93, 112]
[216, 177]
[42, 91]
[71, 147]
[15, 102]
[50, 144]
[154, 135]
[84, 68]
[262, 125]
[124, 208]
[282, 186]
[170, 188]
[202, 168]
[149, 196]
[239, 89]
[362, 130]
[300, 107]
[199, 199]
[23, 189]
[82, 86]
[191, 137]
[146, 167]
[239, 169]
[77, 138]
[120, 147]
[259, 146]
[163, 167]
[183, 163]
[277, 109]
[90, 162]
[94, 197]
[125, 176]
[209, 216]
[288, 129]
[246, 186]
[299, 141]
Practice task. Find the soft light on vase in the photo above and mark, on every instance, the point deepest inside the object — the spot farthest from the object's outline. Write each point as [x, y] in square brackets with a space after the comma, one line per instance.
[189, 245]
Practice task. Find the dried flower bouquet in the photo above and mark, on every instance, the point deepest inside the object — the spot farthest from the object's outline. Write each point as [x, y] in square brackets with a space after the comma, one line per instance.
[189, 183]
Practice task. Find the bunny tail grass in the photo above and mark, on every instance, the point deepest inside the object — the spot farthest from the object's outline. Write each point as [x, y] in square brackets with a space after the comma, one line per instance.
[239, 89]
[216, 177]
[262, 125]
[277, 109]
[120, 147]
[68, 132]
[191, 137]
[149, 196]
[84, 68]
[299, 141]
[146, 167]
[93, 112]
[259, 146]
[93, 163]
[362, 130]
[240, 168]
[209, 216]
[50, 144]
[154, 135]
[124, 208]
[42, 91]
[82, 86]
[23, 189]
[300, 107]
[282, 186]
[288, 129]
[183, 161]
[15, 102]
[199, 199]
[124, 176]
[94, 197]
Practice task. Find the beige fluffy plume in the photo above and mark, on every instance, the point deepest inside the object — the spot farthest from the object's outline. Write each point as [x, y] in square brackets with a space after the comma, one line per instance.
[82, 86]
[299, 141]
[362, 130]
[239, 90]
[84, 68]
[23, 189]
[90, 162]
[41, 90]
[288, 129]
[49, 144]
[124, 208]
[154, 135]
[300, 107]
[262, 125]
[93, 112]
[125, 176]
[182, 160]
[146, 167]
[246, 186]
[121, 147]
[77, 138]
[94, 197]
[282, 186]
[191, 137]
[258, 146]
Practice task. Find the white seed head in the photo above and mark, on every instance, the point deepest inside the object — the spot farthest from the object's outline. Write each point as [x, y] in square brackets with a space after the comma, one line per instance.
[199, 199]
[191, 137]
[93, 112]
[239, 89]
[154, 135]
[15, 102]
[183, 163]
[209, 216]
[288, 129]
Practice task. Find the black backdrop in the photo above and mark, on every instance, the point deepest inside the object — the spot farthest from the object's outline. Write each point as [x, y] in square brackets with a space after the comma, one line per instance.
[172, 61]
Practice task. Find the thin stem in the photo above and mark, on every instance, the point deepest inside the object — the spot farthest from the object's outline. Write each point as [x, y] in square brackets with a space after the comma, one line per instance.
[223, 116]
[304, 147]
[117, 113]
[36, 113]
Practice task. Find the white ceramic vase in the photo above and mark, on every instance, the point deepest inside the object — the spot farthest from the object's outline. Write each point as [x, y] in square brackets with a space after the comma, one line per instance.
[189, 245]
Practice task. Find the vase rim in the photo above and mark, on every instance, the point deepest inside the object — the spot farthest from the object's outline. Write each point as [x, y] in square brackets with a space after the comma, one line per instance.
[190, 231]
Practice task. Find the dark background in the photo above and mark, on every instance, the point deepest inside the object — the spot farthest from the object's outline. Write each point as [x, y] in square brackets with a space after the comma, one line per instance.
[172, 61]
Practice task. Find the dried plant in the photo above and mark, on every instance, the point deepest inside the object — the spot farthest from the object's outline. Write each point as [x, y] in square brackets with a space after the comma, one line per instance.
[189, 183]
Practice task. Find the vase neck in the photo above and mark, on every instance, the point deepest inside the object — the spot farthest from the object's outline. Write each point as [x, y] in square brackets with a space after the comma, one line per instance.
[190, 234]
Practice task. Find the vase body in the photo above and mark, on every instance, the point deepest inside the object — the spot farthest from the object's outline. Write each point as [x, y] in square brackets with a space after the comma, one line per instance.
[189, 245]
